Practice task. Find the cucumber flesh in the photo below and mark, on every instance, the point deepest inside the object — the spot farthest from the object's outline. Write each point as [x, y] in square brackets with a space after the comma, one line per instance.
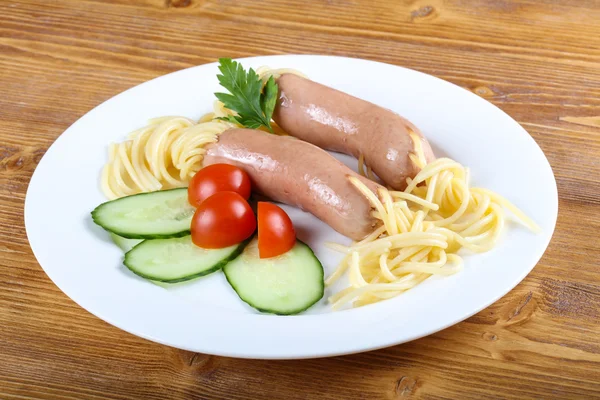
[177, 259]
[128, 244]
[284, 285]
[124, 243]
[155, 215]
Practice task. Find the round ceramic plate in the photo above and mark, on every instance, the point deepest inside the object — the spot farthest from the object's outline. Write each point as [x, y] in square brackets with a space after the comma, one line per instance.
[206, 315]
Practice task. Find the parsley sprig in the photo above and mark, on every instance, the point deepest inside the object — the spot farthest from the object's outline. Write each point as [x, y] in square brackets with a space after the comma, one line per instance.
[253, 103]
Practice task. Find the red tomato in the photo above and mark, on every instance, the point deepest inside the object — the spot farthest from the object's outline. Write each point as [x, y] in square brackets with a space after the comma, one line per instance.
[276, 233]
[218, 178]
[222, 220]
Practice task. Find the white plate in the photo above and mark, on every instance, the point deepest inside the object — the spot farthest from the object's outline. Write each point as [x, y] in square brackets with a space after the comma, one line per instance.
[207, 316]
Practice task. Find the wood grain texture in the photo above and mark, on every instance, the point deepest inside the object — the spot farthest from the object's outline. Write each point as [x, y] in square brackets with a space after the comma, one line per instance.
[538, 60]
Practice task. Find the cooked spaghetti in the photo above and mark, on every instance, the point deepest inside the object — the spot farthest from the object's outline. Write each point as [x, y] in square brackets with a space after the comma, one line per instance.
[265, 72]
[423, 228]
[164, 154]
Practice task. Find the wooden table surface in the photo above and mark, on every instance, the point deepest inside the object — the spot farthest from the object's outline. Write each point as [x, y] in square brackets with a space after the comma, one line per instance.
[538, 60]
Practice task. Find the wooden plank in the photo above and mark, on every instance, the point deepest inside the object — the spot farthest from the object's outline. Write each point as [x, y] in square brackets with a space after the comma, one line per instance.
[538, 60]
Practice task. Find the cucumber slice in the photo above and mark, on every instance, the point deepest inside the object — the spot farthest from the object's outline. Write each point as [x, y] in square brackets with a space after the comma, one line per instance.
[284, 285]
[177, 259]
[124, 243]
[155, 215]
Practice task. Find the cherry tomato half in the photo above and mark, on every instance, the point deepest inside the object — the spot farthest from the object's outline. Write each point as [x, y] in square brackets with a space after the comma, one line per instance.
[276, 233]
[222, 220]
[218, 178]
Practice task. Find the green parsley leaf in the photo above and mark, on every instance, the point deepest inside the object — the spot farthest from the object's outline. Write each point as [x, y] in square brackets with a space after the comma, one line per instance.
[269, 98]
[253, 104]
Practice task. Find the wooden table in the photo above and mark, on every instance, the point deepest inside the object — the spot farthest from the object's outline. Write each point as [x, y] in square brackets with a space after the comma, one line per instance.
[538, 60]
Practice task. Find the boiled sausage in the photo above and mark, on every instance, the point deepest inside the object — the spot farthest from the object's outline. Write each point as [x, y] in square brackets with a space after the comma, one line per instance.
[336, 121]
[298, 173]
